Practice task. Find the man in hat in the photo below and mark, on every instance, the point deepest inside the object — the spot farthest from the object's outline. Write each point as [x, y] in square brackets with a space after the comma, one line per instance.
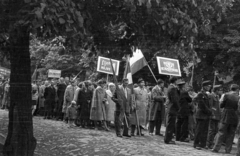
[228, 123]
[141, 102]
[156, 109]
[172, 105]
[214, 119]
[203, 113]
[183, 113]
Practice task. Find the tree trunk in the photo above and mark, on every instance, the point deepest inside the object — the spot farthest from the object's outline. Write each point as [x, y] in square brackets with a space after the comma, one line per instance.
[20, 140]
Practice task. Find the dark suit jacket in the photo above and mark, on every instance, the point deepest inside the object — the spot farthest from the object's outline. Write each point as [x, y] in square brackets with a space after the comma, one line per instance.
[157, 103]
[230, 105]
[127, 102]
[61, 90]
[184, 104]
[49, 94]
[173, 100]
[203, 110]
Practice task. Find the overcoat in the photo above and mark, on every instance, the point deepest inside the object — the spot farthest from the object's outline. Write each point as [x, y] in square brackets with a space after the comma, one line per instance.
[203, 110]
[172, 103]
[49, 95]
[184, 104]
[110, 107]
[68, 96]
[230, 105]
[215, 107]
[158, 100]
[84, 101]
[41, 96]
[98, 111]
[141, 101]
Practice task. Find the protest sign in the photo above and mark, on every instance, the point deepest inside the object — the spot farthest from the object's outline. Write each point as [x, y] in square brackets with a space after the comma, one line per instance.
[167, 66]
[54, 73]
[104, 65]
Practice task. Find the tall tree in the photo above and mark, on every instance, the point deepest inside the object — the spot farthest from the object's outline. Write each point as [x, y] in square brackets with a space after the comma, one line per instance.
[19, 18]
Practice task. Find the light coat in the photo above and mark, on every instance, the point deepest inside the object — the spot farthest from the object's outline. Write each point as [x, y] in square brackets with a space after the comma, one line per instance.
[141, 102]
[98, 111]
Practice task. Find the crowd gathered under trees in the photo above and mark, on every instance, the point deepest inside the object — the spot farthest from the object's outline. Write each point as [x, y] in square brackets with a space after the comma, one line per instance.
[209, 118]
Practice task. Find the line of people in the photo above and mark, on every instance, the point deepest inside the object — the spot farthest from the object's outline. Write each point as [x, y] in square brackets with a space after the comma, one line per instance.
[209, 118]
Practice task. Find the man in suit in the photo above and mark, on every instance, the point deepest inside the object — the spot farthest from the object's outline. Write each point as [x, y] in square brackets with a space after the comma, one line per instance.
[203, 113]
[172, 110]
[127, 104]
[49, 95]
[214, 119]
[229, 121]
[156, 108]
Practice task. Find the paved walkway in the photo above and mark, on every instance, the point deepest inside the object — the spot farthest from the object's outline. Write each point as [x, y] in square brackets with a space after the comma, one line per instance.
[54, 138]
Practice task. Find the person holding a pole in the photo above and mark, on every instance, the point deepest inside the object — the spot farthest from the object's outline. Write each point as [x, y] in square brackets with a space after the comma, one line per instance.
[127, 104]
[172, 110]
[141, 101]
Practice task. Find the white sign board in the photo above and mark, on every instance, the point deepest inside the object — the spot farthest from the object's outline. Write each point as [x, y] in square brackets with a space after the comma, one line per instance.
[104, 65]
[54, 73]
[168, 66]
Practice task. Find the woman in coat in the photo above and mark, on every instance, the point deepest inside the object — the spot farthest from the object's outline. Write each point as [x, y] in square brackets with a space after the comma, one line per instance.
[98, 111]
[111, 106]
[84, 99]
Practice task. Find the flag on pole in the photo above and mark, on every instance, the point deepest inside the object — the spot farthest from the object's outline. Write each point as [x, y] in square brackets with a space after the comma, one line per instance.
[127, 72]
[138, 61]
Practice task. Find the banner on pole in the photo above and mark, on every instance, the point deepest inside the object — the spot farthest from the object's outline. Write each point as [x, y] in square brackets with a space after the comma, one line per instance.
[167, 66]
[4, 71]
[54, 73]
[104, 65]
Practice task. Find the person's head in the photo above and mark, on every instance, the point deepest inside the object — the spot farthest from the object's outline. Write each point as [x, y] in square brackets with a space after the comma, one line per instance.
[234, 88]
[61, 80]
[135, 85]
[150, 88]
[206, 85]
[125, 82]
[73, 104]
[141, 82]
[73, 83]
[46, 83]
[160, 83]
[112, 87]
[216, 89]
[173, 80]
[102, 83]
[181, 84]
[66, 80]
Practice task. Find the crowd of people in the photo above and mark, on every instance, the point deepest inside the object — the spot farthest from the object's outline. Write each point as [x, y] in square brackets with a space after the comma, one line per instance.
[209, 117]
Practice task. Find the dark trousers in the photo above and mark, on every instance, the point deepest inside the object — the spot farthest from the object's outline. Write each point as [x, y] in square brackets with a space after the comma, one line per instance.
[170, 127]
[212, 131]
[238, 146]
[225, 131]
[181, 128]
[118, 123]
[201, 132]
[58, 109]
[156, 123]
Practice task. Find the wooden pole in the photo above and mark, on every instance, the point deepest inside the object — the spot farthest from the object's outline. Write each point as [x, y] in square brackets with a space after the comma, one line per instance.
[152, 73]
[107, 78]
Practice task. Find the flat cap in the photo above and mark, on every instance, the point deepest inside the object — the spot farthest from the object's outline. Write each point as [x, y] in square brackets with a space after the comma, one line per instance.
[140, 80]
[234, 87]
[217, 86]
[180, 82]
[206, 83]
